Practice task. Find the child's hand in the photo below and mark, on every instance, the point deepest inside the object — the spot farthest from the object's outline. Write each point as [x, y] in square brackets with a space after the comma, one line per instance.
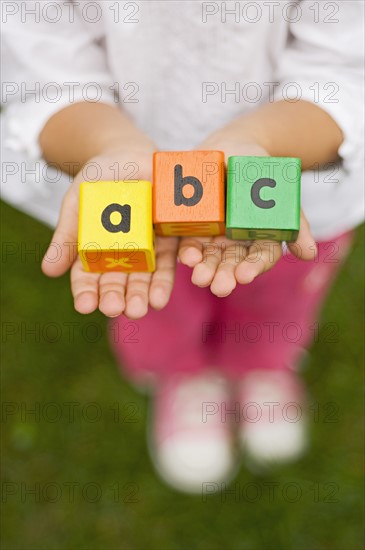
[221, 263]
[113, 293]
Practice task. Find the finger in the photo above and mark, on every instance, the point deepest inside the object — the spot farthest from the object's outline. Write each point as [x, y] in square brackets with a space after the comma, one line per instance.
[84, 287]
[224, 281]
[191, 250]
[138, 285]
[262, 256]
[204, 271]
[62, 250]
[305, 246]
[112, 288]
[163, 278]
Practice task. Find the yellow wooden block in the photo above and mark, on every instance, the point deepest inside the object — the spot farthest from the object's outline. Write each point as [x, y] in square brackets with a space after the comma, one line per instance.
[115, 226]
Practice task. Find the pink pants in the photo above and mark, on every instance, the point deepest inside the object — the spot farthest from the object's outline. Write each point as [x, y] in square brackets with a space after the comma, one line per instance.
[264, 325]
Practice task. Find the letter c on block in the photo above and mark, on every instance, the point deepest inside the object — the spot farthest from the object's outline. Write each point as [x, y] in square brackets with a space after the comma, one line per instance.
[256, 189]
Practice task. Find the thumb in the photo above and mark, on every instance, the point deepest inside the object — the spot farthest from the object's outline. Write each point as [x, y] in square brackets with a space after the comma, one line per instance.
[62, 250]
[305, 247]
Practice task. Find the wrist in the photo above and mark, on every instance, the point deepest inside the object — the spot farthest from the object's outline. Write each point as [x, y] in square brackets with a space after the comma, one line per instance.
[141, 146]
[120, 160]
[234, 143]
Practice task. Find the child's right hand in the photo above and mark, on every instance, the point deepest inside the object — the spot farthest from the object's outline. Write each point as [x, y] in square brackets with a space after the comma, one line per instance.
[113, 293]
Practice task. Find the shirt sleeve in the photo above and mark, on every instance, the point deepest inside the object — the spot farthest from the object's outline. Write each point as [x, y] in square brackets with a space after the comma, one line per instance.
[51, 58]
[323, 64]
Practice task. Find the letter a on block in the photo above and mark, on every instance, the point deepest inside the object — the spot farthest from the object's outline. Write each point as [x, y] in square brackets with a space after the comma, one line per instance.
[115, 226]
[188, 193]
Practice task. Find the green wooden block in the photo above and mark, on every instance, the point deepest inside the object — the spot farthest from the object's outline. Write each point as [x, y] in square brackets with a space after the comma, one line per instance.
[263, 198]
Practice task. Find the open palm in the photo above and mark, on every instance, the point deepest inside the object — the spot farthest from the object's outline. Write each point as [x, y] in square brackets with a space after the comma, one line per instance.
[221, 263]
[113, 293]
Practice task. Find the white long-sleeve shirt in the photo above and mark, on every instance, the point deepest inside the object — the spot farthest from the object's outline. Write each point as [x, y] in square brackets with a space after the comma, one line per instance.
[183, 69]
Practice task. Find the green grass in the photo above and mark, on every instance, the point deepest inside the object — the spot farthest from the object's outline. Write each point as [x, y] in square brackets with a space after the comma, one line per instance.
[147, 515]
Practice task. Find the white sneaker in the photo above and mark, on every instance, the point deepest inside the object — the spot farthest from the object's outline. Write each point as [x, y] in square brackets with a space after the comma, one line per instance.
[273, 425]
[189, 443]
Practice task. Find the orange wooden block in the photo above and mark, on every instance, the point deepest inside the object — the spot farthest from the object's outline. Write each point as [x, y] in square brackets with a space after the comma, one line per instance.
[188, 193]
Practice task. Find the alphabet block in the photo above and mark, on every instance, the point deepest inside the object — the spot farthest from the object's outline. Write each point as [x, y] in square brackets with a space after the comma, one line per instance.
[188, 193]
[115, 226]
[263, 198]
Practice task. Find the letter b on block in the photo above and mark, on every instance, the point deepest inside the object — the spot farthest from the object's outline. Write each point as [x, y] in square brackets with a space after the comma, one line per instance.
[180, 182]
[263, 198]
[115, 226]
[188, 193]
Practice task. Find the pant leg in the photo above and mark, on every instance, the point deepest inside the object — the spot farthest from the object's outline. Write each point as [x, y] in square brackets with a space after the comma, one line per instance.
[168, 341]
[267, 323]
[264, 324]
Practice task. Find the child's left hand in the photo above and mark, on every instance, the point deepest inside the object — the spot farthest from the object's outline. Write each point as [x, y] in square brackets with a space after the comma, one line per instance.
[221, 263]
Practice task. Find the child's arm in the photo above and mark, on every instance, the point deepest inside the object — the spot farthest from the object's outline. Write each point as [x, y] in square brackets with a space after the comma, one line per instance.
[69, 55]
[85, 130]
[87, 133]
[321, 70]
[292, 129]
[299, 129]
